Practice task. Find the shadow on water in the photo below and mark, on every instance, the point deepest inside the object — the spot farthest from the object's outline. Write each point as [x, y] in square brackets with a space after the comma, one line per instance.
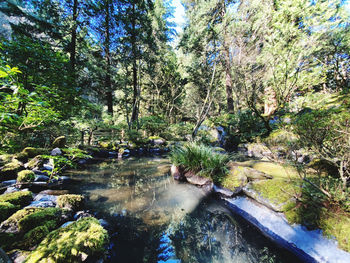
[156, 219]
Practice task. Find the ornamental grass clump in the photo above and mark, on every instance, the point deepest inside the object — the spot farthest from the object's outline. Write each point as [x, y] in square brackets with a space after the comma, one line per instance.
[200, 159]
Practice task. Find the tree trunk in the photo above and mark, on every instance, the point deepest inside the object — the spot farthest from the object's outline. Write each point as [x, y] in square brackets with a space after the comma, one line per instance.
[134, 115]
[74, 36]
[108, 83]
[227, 65]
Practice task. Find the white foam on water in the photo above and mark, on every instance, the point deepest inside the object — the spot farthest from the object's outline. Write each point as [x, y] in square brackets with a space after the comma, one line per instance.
[312, 243]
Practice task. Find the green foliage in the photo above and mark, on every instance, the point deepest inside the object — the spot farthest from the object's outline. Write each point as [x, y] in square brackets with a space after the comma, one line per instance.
[25, 176]
[179, 131]
[74, 154]
[200, 158]
[326, 134]
[70, 201]
[20, 198]
[84, 237]
[134, 136]
[154, 125]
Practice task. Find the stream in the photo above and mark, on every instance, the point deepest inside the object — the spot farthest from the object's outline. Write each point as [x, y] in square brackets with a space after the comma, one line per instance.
[154, 218]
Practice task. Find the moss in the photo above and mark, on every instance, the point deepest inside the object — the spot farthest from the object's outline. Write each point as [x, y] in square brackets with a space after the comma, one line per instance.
[31, 152]
[84, 237]
[105, 145]
[5, 158]
[7, 209]
[276, 170]
[70, 201]
[7, 240]
[28, 218]
[49, 217]
[281, 137]
[20, 198]
[34, 237]
[278, 191]
[25, 176]
[10, 170]
[35, 162]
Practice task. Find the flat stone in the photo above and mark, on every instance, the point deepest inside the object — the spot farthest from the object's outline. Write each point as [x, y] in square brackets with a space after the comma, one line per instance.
[224, 191]
[195, 179]
[43, 204]
[8, 182]
[11, 189]
[45, 197]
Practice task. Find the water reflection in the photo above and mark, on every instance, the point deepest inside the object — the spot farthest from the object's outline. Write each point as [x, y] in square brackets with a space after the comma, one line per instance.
[157, 219]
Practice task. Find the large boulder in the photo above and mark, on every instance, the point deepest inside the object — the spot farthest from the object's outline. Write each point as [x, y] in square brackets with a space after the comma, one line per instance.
[70, 201]
[25, 176]
[258, 150]
[247, 172]
[30, 152]
[76, 242]
[59, 142]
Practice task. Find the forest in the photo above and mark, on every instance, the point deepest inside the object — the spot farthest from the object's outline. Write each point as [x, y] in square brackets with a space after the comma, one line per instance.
[258, 84]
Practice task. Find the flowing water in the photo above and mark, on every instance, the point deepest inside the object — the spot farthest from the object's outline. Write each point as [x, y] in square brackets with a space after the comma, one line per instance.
[156, 219]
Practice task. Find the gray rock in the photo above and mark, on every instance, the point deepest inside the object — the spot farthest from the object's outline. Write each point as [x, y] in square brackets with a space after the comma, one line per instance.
[104, 224]
[56, 152]
[45, 197]
[11, 189]
[8, 182]
[223, 191]
[176, 173]
[47, 167]
[81, 214]
[41, 178]
[43, 204]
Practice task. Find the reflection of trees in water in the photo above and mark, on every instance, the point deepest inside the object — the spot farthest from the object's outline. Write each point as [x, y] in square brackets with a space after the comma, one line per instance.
[204, 236]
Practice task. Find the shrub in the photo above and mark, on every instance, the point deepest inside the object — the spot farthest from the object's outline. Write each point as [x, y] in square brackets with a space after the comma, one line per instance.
[200, 158]
[179, 131]
[85, 237]
[153, 124]
[25, 176]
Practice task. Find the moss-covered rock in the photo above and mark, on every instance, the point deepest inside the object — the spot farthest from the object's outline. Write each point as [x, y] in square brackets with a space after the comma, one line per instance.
[28, 218]
[323, 166]
[25, 176]
[7, 209]
[31, 152]
[277, 194]
[85, 237]
[21, 198]
[70, 201]
[9, 171]
[37, 161]
[34, 237]
[59, 142]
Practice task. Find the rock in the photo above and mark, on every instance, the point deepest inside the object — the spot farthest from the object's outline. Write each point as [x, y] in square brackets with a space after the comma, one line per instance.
[25, 176]
[30, 152]
[195, 179]
[247, 172]
[18, 256]
[59, 142]
[34, 163]
[225, 192]
[80, 240]
[41, 178]
[70, 201]
[54, 192]
[258, 150]
[38, 186]
[8, 182]
[20, 198]
[81, 214]
[9, 171]
[56, 152]
[65, 180]
[45, 197]
[42, 204]
[177, 173]
[11, 189]
[48, 167]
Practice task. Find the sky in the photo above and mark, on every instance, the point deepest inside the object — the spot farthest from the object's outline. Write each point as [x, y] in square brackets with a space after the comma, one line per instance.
[179, 15]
